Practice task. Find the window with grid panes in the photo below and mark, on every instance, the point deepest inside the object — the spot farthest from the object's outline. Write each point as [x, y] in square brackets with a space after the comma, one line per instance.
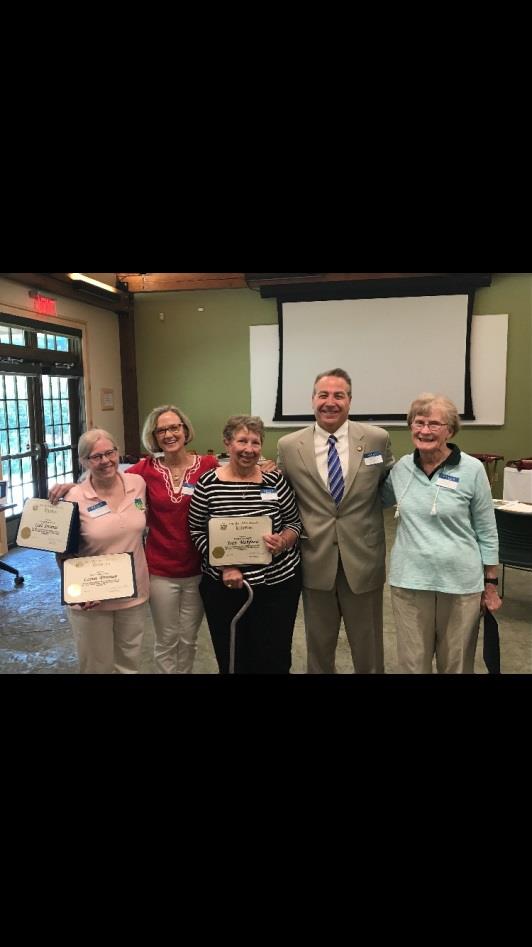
[40, 406]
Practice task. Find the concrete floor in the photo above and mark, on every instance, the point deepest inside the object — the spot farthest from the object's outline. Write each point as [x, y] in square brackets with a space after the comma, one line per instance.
[35, 635]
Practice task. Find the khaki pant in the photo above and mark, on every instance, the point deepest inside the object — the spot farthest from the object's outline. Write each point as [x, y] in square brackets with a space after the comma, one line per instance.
[435, 623]
[109, 642]
[362, 615]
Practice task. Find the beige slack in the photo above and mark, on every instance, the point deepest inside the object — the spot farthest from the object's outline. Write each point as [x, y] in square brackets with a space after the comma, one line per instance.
[362, 615]
[435, 623]
[177, 611]
[109, 642]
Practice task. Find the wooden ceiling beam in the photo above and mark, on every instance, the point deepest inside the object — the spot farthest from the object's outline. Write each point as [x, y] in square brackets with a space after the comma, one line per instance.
[174, 282]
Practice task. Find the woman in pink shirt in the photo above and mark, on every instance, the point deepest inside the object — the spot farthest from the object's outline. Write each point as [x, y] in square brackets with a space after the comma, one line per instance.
[170, 474]
[112, 510]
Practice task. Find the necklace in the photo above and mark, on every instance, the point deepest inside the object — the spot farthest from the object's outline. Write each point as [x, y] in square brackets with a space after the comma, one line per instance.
[173, 477]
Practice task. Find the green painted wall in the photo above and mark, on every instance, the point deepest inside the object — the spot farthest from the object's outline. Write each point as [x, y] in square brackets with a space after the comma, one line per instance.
[200, 361]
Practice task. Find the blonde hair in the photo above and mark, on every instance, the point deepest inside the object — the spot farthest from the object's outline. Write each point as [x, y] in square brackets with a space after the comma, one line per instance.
[148, 437]
[425, 402]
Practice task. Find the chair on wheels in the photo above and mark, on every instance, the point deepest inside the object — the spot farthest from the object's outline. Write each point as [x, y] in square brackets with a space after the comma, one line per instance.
[19, 579]
[515, 540]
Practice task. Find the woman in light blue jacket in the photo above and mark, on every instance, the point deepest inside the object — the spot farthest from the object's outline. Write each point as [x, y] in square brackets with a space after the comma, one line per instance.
[444, 560]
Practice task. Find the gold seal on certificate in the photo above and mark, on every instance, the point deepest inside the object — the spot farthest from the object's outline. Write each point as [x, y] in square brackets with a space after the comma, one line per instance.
[97, 578]
[52, 527]
[237, 540]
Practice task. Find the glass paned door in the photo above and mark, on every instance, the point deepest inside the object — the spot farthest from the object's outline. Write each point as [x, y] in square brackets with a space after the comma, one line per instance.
[38, 434]
[15, 440]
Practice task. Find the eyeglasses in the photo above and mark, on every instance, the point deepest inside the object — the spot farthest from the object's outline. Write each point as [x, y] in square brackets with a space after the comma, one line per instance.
[172, 429]
[433, 426]
[103, 456]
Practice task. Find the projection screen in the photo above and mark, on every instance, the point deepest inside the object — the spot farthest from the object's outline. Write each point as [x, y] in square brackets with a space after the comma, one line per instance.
[393, 349]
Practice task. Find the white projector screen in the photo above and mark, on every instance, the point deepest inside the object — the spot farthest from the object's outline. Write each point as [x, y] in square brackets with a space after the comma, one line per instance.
[389, 347]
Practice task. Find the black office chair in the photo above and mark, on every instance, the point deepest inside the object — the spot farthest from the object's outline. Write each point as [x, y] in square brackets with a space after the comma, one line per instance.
[515, 540]
[19, 579]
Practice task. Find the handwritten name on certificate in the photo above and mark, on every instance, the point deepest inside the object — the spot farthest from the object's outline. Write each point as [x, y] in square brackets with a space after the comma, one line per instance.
[97, 578]
[237, 540]
[46, 526]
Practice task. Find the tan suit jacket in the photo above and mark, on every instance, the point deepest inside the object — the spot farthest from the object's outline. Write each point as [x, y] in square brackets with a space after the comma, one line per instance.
[355, 528]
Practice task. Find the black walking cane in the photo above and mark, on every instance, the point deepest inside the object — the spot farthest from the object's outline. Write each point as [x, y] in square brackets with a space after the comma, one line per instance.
[237, 617]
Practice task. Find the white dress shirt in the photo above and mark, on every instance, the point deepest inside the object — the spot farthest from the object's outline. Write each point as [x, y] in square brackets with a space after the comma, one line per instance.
[321, 448]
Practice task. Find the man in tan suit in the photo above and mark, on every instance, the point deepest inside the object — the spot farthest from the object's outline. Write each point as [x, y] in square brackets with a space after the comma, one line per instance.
[343, 544]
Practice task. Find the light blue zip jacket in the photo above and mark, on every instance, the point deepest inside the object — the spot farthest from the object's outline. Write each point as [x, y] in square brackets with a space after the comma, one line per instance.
[446, 531]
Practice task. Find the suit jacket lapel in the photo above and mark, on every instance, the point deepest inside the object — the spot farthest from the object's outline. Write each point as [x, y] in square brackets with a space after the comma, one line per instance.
[356, 441]
[306, 452]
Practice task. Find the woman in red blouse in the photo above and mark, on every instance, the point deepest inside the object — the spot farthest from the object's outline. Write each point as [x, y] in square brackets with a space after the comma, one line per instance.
[174, 564]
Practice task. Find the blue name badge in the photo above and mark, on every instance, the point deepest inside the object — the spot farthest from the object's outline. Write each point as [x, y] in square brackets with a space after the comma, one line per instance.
[446, 480]
[373, 457]
[268, 493]
[99, 509]
[187, 489]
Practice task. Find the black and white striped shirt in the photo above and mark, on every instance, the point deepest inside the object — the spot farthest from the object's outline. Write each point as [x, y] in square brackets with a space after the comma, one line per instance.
[214, 497]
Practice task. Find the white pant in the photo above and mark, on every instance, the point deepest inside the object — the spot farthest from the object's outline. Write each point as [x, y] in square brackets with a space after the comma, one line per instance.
[109, 642]
[177, 612]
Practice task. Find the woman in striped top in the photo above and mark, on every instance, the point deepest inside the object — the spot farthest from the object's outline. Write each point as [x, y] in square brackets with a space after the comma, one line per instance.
[241, 488]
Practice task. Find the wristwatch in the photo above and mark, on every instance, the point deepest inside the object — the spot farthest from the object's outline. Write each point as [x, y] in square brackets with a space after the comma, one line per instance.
[491, 581]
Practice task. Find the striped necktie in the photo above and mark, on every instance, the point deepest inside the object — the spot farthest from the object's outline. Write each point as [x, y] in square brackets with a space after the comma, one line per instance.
[336, 477]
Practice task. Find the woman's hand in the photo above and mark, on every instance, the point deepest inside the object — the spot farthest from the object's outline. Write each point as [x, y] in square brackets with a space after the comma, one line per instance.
[490, 599]
[232, 578]
[58, 491]
[275, 542]
[85, 606]
[268, 466]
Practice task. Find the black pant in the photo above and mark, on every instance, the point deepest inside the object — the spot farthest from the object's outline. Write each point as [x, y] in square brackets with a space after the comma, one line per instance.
[263, 634]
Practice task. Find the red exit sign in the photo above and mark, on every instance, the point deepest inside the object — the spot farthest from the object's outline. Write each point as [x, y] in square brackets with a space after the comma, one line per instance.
[44, 305]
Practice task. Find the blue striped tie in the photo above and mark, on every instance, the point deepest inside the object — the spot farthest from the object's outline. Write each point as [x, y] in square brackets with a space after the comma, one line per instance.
[336, 477]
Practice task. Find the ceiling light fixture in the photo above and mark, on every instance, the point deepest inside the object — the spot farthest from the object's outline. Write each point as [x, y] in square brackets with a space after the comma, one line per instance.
[81, 278]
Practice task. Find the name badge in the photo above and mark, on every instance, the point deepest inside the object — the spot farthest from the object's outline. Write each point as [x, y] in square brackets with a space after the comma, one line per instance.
[99, 509]
[187, 489]
[140, 505]
[373, 457]
[268, 493]
[445, 480]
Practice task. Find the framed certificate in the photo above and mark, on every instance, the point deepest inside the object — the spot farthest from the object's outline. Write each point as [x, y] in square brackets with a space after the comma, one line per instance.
[98, 578]
[107, 399]
[237, 540]
[52, 527]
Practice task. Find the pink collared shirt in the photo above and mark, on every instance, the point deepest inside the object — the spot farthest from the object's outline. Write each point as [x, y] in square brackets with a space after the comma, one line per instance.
[112, 532]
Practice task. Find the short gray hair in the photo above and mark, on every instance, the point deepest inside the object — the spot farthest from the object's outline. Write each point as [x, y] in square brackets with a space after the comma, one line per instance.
[424, 403]
[88, 440]
[148, 437]
[238, 421]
